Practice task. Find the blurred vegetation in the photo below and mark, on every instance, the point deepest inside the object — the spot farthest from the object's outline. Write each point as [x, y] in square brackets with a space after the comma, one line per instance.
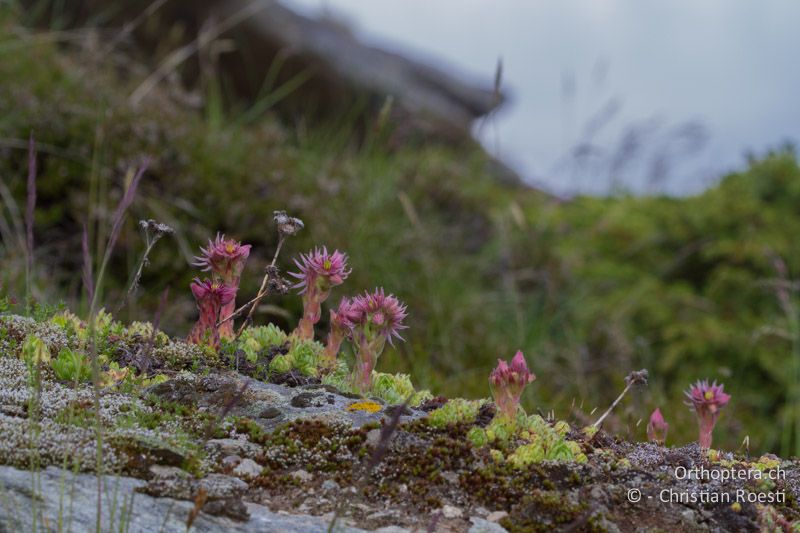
[589, 288]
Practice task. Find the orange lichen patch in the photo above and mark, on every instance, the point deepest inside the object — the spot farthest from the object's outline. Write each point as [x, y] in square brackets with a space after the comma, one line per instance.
[368, 406]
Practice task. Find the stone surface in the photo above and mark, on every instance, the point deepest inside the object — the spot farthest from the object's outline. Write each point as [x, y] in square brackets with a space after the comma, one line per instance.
[479, 525]
[302, 475]
[134, 512]
[330, 485]
[268, 404]
[239, 447]
[248, 469]
[496, 516]
[449, 511]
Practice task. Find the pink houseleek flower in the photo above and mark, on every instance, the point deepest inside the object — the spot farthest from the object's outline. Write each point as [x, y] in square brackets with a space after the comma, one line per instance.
[507, 383]
[319, 273]
[377, 318]
[211, 296]
[657, 428]
[225, 258]
[342, 322]
[707, 401]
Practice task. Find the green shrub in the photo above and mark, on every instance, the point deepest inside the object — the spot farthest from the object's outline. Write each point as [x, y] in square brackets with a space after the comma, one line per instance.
[71, 365]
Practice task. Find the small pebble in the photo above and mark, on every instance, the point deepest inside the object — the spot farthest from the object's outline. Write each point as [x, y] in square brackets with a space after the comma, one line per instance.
[231, 461]
[248, 468]
[449, 511]
[330, 484]
[496, 516]
[302, 476]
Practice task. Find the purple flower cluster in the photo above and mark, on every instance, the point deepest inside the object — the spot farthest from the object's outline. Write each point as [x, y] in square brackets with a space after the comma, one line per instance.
[319, 273]
[657, 428]
[507, 383]
[707, 400]
[343, 320]
[225, 259]
[376, 318]
[211, 296]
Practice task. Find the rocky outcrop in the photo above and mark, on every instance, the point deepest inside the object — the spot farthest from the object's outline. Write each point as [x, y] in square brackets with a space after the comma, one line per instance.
[226, 451]
[58, 500]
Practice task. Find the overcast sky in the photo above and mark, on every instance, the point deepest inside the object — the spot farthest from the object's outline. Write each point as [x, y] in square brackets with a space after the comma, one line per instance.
[695, 84]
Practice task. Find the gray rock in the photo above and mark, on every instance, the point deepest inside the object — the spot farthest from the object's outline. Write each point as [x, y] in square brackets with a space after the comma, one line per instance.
[231, 461]
[496, 516]
[248, 469]
[177, 390]
[479, 525]
[240, 447]
[222, 486]
[330, 485]
[126, 509]
[373, 437]
[169, 481]
[450, 511]
[302, 475]
[268, 404]
[450, 477]
[309, 399]
[270, 412]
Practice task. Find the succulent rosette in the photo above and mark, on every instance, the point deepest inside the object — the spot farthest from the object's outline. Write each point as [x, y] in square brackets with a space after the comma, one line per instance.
[657, 428]
[211, 296]
[319, 272]
[225, 258]
[707, 401]
[377, 317]
[507, 381]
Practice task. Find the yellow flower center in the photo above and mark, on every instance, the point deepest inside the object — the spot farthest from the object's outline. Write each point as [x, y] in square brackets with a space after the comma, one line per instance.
[709, 395]
[327, 264]
[229, 248]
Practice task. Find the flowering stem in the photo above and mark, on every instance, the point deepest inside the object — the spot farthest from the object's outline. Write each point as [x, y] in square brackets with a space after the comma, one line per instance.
[137, 276]
[226, 327]
[312, 308]
[706, 431]
[335, 338]
[262, 292]
[363, 371]
[369, 348]
[635, 377]
[206, 324]
[613, 405]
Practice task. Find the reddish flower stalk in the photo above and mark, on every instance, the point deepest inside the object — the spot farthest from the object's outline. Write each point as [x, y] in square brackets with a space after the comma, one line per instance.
[225, 258]
[377, 318]
[342, 322]
[657, 428]
[507, 383]
[707, 401]
[319, 273]
[211, 296]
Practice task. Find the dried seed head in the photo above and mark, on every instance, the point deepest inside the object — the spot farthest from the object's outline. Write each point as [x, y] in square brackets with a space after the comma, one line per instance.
[287, 225]
[154, 229]
[637, 377]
